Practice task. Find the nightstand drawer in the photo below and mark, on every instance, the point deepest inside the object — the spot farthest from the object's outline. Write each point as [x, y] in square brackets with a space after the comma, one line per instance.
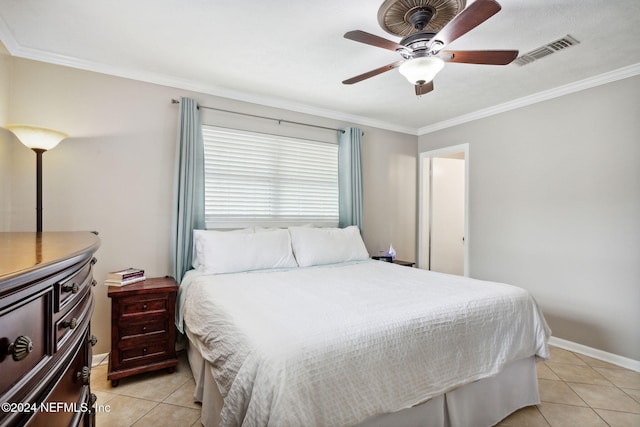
[144, 354]
[143, 304]
[144, 330]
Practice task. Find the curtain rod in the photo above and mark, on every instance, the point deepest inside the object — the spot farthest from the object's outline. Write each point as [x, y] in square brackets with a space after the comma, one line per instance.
[280, 121]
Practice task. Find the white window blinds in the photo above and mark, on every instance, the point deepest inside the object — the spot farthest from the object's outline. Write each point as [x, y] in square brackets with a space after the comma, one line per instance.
[259, 179]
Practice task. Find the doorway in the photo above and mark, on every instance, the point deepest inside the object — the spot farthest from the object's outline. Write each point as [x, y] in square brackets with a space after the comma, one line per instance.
[443, 227]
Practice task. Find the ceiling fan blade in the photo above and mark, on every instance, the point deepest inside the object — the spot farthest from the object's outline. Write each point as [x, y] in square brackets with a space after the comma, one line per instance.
[372, 73]
[424, 88]
[474, 15]
[372, 40]
[489, 57]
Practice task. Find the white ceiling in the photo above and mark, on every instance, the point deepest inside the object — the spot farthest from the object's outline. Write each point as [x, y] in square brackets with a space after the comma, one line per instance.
[292, 54]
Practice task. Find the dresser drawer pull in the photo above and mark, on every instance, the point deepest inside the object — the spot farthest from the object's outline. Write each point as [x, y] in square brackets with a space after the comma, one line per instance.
[144, 306]
[94, 260]
[84, 375]
[20, 348]
[93, 340]
[73, 288]
[71, 324]
[92, 401]
[94, 282]
[144, 350]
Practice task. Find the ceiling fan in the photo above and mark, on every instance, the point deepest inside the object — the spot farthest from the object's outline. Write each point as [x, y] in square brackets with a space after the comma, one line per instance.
[421, 50]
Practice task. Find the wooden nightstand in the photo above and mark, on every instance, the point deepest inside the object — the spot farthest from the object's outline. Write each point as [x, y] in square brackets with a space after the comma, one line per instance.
[142, 330]
[395, 261]
[405, 263]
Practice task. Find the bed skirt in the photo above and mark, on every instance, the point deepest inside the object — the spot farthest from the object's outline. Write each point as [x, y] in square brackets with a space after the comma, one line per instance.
[480, 403]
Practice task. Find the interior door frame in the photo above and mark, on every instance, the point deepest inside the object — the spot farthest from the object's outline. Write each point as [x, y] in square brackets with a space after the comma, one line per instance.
[424, 205]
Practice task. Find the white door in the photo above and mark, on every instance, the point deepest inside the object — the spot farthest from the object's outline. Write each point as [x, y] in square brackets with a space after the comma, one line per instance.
[443, 217]
[447, 215]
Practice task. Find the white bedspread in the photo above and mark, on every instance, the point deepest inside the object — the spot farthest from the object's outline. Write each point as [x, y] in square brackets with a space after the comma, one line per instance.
[334, 345]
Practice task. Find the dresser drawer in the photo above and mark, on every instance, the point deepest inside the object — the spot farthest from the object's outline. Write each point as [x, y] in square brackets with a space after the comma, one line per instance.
[29, 319]
[143, 305]
[70, 288]
[73, 320]
[144, 329]
[72, 389]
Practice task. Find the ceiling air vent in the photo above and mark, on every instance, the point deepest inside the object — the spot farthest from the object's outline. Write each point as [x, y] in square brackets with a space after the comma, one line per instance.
[546, 50]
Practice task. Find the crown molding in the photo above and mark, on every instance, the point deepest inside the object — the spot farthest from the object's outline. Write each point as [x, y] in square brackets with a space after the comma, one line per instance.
[16, 50]
[612, 76]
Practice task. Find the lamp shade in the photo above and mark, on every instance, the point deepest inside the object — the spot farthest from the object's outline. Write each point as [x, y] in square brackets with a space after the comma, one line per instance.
[421, 69]
[37, 137]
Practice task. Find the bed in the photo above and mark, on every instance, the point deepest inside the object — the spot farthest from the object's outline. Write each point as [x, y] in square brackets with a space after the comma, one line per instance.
[298, 327]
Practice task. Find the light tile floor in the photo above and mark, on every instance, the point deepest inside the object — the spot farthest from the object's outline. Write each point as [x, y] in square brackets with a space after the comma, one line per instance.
[575, 390]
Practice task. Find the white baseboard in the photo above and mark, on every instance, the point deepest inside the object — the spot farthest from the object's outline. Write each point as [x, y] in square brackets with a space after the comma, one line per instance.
[622, 361]
[99, 359]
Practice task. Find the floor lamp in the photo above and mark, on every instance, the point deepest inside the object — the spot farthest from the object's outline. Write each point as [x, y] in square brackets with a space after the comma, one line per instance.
[39, 140]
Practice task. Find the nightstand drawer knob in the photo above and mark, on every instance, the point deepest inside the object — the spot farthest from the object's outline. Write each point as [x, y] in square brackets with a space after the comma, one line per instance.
[94, 282]
[144, 350]
[144, 306]
[94, 260]
[93, 340]
[71, 324]
[20, 348]
[73, 288]
[144, 329]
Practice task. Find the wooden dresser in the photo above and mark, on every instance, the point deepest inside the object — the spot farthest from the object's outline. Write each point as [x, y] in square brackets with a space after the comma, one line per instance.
[46, 303]
[142, 328]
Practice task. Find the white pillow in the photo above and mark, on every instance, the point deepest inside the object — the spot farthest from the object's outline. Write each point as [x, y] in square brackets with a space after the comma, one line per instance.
[199, 242]
[225, 252]
[317, 246]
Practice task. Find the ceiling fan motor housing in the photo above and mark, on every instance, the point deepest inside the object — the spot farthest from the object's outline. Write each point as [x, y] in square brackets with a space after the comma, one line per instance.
[420, 17]
[417, 44]
[405, 17]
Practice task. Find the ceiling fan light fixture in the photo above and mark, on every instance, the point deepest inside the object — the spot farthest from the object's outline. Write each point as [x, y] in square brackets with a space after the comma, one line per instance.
[422, 69]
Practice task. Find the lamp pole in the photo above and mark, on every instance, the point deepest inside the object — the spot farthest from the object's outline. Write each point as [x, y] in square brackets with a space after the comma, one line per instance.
[39, 152]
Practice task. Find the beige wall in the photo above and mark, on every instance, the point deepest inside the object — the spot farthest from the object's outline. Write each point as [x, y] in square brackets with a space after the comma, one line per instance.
[5, 62]
[115, 173]
[389, 164]
[5, 145]
[555, 208]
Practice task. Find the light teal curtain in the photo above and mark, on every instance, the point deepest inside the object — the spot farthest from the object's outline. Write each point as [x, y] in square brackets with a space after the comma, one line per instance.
[188, 204]
[350, 177]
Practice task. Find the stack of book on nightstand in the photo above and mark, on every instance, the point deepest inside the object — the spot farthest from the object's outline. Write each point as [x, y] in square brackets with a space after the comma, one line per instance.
[124, 277]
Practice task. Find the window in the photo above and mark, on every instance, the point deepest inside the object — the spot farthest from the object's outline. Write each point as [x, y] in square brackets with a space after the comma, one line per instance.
[259, 179]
